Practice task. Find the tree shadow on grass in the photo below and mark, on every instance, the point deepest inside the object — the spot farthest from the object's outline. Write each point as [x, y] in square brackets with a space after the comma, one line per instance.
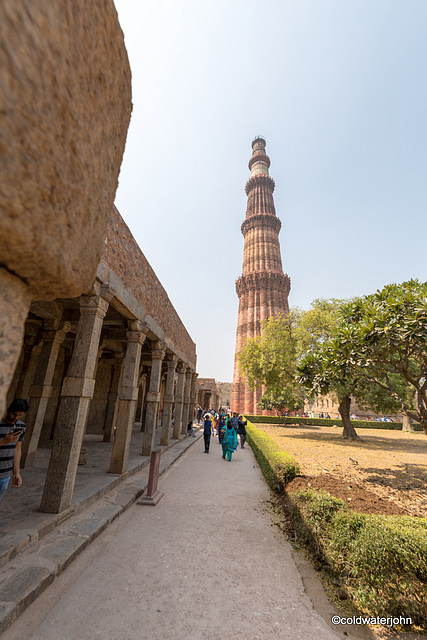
[404, 477]
[369, 442]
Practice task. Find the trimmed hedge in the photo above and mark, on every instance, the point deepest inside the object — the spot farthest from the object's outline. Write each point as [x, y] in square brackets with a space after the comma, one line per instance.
[329, 422]
[278, 467]
[380, 561]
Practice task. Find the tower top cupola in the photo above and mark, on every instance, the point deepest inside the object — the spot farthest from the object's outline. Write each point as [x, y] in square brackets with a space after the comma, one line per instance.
[259, 162]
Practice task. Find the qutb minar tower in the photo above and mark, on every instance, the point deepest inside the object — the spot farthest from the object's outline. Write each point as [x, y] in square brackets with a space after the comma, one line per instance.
[262, 288]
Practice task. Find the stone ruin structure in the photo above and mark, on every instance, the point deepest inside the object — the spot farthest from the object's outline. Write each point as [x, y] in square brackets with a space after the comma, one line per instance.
[88, 334]
[95, 364]
[208, 393]
[66, 105]
[262, 288]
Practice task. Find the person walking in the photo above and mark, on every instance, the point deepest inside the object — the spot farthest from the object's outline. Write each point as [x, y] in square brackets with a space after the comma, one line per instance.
[221, 428]
[12, 431]
[241, 430]
[199, 413]
[229, 441]
[235, 421]
[207, 431]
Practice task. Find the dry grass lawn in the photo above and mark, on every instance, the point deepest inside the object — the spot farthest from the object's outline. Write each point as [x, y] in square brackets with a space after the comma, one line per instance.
[386, 472]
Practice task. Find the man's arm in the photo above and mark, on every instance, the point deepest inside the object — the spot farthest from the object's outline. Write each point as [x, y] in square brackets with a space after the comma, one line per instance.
[16, 477]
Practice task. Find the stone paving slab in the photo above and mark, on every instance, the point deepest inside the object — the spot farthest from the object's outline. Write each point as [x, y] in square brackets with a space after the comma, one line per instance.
[24, 587]
[64, 551]
[98, 521]
[7, 615]
[12, 544]
[39, 555]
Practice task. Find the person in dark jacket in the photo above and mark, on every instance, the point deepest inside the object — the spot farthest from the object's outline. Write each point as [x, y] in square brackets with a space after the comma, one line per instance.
[221, 428]
[207, 431]
[241, 430]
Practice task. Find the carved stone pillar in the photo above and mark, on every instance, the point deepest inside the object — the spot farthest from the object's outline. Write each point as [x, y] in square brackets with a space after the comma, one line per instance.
[76, 393]
[128, 396]
[15, 298]
[41, 391]
[31, 349]
[179, 401]
[153, 400]
[187, 397]
[111, 411]
[168, 401]
[193, 392]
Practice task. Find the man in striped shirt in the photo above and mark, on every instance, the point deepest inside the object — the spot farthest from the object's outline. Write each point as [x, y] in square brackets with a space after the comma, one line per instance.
[12, 431]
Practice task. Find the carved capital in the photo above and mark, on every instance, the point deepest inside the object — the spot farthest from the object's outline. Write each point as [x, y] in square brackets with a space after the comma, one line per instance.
[93, 305]
[157, 354]
[107, 292]
[182, 368]
[136, 336]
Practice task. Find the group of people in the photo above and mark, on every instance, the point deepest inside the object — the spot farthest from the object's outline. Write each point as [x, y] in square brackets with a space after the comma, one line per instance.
[227, 427]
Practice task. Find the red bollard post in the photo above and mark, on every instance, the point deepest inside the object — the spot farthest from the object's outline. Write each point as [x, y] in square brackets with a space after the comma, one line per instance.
[153, 495]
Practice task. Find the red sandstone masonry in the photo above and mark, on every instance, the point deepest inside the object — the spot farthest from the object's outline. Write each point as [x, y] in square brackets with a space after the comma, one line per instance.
[262, 288]
[123, 255]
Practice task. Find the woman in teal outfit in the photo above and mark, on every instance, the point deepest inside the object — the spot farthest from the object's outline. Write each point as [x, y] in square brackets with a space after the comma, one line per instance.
[229, 441]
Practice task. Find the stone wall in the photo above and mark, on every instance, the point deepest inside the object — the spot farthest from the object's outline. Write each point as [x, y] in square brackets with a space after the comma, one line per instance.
[123, 255]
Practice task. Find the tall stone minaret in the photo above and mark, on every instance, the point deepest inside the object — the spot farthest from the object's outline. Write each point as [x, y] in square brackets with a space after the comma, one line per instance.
[262, 288]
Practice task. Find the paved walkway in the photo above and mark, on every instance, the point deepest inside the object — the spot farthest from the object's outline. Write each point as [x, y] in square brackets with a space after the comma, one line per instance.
[20, 520]
[204, 564]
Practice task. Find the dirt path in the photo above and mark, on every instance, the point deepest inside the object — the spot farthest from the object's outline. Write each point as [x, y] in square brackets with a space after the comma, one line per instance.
[205, 563]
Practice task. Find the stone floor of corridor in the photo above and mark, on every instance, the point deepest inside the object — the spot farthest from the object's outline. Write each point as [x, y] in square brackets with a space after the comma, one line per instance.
[20, 519]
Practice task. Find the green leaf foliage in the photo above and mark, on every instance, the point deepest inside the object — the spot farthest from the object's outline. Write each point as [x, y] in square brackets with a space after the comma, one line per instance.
[382, 338]
[269, 359]
[380, 560]
[277, 466]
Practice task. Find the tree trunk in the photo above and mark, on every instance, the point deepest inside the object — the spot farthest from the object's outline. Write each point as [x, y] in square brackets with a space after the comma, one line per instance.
[344, 409]
[407, 425]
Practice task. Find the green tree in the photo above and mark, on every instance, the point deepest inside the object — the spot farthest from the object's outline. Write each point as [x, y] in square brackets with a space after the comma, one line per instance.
[317, 373]
[314, 327]
[270, 360]
[383, 337]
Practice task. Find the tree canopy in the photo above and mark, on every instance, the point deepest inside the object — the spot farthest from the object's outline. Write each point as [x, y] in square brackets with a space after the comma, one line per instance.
[383, 338]
[270, 360]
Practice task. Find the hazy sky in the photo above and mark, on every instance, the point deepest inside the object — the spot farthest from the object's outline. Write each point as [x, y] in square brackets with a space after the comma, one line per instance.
[338, 89]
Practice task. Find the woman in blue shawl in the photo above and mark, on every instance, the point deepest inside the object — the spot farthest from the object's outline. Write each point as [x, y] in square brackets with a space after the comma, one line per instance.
[229, 441]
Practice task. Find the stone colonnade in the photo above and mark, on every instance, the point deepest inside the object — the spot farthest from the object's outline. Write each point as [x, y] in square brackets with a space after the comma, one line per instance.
[208, 393]
[82, 365]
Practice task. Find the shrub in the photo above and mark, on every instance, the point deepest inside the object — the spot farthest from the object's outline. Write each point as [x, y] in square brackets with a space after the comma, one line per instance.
[329, 422]
[278, 467]
[380, 560]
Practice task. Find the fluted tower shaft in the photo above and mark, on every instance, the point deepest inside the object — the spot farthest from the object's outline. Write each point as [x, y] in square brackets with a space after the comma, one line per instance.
[262, 288]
